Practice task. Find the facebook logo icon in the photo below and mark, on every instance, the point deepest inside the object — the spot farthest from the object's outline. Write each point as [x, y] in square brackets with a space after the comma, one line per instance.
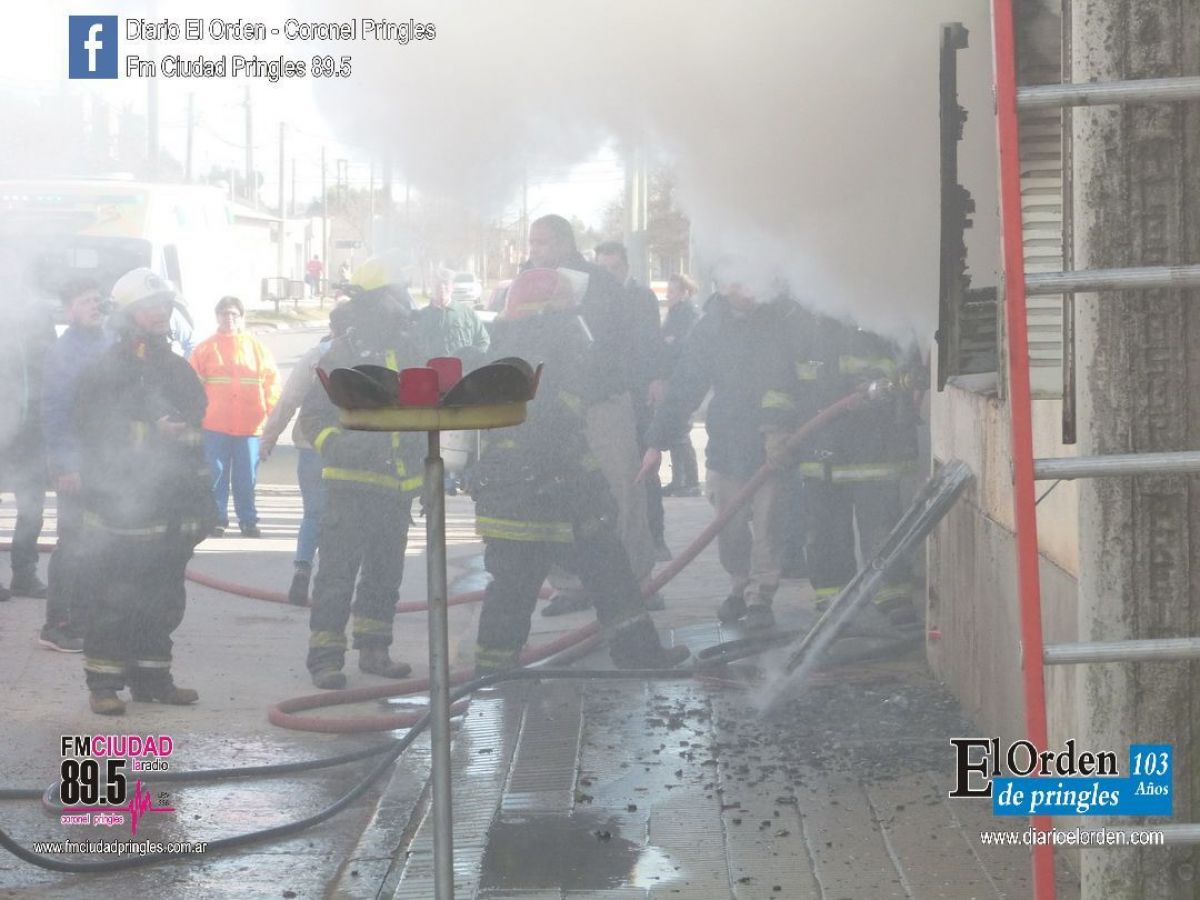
[93, 46]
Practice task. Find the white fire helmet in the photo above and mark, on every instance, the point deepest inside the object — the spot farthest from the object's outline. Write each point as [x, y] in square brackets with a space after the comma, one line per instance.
[142, 284]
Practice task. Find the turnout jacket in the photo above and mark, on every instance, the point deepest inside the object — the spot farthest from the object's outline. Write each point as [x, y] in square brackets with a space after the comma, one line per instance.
[139, 483]
[538, 481]
[375, 461]
[740, 358]
[878, 441]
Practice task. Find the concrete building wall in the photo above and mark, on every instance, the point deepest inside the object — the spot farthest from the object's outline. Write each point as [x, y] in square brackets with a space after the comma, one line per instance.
[972, 600]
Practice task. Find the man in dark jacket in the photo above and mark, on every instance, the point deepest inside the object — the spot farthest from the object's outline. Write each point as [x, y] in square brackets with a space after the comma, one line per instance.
[607, 390]
[643, 360]
[371, 479]
[737, 350]
[540, 495]
[84, 341]
[681, 318]
[145, 497]
[26, 333]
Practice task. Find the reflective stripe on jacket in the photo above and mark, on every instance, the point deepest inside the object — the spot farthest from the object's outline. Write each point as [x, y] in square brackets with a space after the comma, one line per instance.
[241, 382]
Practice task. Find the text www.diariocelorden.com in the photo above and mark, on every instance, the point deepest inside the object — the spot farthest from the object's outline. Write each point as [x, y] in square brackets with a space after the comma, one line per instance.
[121, 848]
[1073, 837]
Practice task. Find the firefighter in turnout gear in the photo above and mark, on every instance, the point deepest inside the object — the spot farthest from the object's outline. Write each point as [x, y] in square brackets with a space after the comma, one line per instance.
[852, 475]
[145, 497]
[370, 479]
[541, 497]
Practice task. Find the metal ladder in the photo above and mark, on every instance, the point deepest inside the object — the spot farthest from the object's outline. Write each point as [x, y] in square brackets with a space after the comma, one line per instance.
[1026, 470]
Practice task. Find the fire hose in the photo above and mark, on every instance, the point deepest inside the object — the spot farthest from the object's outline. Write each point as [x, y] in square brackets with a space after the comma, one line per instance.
[570, 645]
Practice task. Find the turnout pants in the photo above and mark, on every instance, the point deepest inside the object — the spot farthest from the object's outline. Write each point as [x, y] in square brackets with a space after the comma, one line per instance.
[363, 536]
[518, 569]
[138, 599]
[833, 511]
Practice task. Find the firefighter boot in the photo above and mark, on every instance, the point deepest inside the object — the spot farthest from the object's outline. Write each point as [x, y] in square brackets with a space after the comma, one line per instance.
[162, 690]
[635, 645]
[375, 661]
[900, 612]
[105, 702]
[329, 679]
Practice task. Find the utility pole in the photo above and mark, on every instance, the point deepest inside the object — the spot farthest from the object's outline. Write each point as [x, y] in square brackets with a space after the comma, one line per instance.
[523, 241]
[636, 212]
[152, 127]
[191, 126]
[251, 187]
[292, 205]
[387, 239]
[282, 219]
[370, 232]
[1136, 202]
[324, 223]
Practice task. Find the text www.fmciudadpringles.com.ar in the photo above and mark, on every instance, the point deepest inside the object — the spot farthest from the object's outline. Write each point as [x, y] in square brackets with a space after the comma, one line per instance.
[121, 848]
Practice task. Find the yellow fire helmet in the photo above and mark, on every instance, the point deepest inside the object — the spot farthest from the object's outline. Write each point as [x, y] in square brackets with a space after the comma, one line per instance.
[377, 272]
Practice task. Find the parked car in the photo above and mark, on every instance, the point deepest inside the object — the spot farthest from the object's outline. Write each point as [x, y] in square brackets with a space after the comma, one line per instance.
[466, 287]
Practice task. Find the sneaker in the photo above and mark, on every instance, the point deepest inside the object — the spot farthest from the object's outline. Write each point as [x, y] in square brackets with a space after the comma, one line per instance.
[165, 692]
[298, 592]
[5, 594]
[376, 661]
[106, 703]
[692, 491]
[759, 618]
[55, 638]
[662, 553]
[565, 602]
[251, 531]
[329, 679]
[732, 608]
[28, 586]
[217, 531]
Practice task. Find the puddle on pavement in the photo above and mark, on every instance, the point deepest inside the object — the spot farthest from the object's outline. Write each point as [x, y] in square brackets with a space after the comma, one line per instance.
[578, 852]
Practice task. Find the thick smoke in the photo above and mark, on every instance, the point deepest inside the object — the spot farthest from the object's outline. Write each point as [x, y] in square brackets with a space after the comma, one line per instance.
[804, 133]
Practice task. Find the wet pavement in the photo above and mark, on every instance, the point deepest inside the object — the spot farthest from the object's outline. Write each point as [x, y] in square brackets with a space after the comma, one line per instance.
[563, 789]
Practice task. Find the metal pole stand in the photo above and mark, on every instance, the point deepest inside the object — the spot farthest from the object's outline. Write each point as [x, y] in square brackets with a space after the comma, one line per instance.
[439, 669]
[434, 421]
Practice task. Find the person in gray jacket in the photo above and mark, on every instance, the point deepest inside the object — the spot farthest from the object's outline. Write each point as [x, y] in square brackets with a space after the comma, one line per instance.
[308, 461]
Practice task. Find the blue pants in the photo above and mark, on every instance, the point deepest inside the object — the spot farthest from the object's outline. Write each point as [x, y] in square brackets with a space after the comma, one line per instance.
[312, 496]
[233, 459]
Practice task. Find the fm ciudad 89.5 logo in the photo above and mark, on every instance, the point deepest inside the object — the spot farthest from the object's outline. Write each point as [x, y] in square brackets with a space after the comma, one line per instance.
[1066, 782]
[100, 778]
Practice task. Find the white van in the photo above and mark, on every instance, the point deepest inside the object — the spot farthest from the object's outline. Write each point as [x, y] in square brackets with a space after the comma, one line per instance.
[59, 230]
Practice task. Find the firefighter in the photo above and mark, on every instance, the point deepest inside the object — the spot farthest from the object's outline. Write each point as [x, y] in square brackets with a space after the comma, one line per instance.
[541, 497]
[145, 497]
[852, 475]
[370, 480]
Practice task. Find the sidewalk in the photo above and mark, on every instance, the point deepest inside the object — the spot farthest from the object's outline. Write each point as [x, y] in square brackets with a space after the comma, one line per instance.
[602, 789]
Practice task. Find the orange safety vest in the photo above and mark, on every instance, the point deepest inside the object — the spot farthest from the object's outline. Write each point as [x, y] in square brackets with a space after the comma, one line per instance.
[241, 382]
